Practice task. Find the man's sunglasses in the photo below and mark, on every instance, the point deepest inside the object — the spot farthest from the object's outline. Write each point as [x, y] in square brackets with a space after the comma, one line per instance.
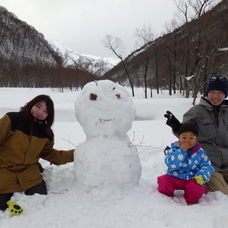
[219, 78]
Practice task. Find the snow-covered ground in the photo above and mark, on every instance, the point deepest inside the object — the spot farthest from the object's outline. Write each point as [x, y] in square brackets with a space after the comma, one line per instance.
[69, 206]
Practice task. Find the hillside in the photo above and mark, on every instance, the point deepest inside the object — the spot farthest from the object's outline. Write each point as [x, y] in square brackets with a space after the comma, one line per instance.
[197, 48]
[21, 44]
[29, 60]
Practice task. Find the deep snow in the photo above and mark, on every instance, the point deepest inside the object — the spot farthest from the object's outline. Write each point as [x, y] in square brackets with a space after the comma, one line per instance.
[68, 205]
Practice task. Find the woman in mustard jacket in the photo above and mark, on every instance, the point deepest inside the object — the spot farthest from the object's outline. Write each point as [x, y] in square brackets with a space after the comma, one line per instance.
[25, 137]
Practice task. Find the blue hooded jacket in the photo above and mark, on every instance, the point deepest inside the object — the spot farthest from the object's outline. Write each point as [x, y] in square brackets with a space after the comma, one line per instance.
[188, 164]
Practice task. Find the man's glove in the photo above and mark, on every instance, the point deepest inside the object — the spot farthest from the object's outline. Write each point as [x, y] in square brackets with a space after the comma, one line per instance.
[199, 180]
[172, 121]
[14, 208]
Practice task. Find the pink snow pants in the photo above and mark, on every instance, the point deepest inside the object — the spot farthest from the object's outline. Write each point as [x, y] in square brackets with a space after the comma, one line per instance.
[192, 191]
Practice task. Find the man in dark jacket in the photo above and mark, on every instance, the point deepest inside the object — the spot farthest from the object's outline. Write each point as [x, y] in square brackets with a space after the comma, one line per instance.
[211, 118]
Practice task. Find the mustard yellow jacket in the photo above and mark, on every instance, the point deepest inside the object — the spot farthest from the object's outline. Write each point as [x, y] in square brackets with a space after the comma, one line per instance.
[21, 146]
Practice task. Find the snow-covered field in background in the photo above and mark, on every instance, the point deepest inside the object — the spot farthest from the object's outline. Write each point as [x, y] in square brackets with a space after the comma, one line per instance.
[67, 206]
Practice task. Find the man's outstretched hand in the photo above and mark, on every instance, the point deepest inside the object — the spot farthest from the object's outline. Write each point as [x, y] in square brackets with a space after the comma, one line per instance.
[172, 121]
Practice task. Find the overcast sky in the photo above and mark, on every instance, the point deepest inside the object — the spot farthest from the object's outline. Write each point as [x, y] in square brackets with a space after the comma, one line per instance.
[83, 24]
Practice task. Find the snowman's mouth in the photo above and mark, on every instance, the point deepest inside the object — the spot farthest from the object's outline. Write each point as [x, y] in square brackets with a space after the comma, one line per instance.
[102, 121]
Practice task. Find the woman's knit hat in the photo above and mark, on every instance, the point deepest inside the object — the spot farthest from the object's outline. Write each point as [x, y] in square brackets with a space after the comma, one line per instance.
[217, 82]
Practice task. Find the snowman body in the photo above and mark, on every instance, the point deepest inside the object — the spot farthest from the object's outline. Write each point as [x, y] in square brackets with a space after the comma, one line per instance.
[105, 111]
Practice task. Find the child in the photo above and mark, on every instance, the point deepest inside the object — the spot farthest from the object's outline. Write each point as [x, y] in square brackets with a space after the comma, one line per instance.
[189, 167]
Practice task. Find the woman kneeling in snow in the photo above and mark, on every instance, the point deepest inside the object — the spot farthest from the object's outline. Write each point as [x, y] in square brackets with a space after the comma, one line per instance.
[25, 137]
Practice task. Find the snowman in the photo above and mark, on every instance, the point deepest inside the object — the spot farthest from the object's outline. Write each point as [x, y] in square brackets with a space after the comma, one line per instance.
[106, 111]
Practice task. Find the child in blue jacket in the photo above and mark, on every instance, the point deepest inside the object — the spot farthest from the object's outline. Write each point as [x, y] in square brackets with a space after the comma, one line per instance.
[189, 167]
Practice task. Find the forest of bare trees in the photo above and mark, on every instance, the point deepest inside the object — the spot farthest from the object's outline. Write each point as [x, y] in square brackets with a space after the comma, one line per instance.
[193, 47]
[185, 57]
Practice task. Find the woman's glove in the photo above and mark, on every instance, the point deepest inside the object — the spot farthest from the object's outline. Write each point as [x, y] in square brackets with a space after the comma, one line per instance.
[199, 180]
[172, 121]
[14, 208]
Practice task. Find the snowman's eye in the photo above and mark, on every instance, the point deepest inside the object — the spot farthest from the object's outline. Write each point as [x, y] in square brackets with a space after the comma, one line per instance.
[118, 96]
[93, 96]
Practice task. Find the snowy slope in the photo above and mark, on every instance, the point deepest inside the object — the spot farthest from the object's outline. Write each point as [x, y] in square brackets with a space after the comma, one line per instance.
[88, 62]
[69, 206]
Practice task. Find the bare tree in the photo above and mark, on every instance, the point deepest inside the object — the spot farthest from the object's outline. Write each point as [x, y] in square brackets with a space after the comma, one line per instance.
[194, 52]
[183, 12]
[201, 6]
[144, 36]
[116, 46]
[172, 54]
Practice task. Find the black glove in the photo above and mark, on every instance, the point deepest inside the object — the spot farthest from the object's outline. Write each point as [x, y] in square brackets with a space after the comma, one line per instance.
[166, 150]
[172, 121]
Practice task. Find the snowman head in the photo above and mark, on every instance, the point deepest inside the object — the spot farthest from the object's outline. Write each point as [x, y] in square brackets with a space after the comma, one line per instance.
[104, 108]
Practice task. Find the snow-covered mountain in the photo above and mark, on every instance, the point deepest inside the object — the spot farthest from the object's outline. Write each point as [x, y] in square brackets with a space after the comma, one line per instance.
[94, 64]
